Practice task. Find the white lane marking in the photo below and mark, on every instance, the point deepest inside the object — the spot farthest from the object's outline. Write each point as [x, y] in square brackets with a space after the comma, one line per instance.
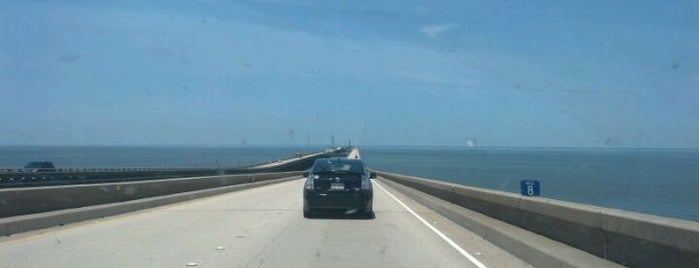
[439, 233]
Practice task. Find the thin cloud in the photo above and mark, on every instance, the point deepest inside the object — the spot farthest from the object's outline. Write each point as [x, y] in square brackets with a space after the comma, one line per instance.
[434, 30]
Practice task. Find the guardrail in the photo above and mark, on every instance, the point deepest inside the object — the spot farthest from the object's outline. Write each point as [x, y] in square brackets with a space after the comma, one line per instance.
[27, 179]
[628, 238]
[102, 169]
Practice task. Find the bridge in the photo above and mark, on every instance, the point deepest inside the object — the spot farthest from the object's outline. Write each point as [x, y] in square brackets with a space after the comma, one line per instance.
[255, 220]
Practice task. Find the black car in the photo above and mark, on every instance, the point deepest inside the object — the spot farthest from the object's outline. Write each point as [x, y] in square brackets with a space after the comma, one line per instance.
[338, 183]
[40, 166]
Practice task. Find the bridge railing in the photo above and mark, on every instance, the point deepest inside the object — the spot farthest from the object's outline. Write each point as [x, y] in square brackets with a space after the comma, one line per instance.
[100, 169]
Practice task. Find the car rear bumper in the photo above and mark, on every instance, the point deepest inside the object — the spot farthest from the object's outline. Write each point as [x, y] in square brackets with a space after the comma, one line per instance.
[335, 201]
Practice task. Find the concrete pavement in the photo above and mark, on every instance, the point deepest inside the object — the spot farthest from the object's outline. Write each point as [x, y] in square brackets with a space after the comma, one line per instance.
[259, 227]
[284, 161]
[354, 154]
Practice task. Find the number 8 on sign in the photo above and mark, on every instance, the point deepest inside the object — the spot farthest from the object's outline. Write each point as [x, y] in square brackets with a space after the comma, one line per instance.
[530, 188]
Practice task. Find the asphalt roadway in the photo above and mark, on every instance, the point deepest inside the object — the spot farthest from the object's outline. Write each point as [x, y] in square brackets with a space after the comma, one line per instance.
[259, 227]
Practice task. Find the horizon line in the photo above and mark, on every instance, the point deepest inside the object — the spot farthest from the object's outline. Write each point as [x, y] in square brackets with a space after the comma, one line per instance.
[355, 145]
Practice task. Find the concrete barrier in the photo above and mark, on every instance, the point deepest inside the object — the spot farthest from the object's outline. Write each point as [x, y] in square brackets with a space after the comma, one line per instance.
[25, 223]
[627, 238]
[22, 201]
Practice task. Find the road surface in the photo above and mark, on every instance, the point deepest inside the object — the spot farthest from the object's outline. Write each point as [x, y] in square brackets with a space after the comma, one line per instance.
[284, 161]
[354, 154]
[259, 227]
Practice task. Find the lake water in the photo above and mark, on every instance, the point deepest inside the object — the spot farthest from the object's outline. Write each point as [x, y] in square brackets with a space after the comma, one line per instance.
[660, 182]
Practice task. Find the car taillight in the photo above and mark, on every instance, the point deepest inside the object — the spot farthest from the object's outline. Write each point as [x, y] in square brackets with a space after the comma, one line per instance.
[366, 185]
[309, 185]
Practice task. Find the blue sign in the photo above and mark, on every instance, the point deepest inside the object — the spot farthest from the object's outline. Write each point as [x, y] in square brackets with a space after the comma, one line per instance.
[530, 188]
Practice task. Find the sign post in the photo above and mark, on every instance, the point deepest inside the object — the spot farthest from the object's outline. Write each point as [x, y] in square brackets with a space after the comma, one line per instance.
[530, 188]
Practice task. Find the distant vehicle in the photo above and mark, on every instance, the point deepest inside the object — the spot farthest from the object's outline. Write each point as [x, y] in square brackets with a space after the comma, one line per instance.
[338, 183]
[40, 166]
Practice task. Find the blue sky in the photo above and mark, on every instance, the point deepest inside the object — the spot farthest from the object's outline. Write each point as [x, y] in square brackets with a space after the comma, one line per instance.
[499, 73]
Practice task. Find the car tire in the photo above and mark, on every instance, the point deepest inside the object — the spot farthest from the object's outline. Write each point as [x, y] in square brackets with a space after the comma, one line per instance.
[306, 210]
[369, 210]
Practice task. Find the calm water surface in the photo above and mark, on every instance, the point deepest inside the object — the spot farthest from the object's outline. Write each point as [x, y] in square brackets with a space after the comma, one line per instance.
[660, 182]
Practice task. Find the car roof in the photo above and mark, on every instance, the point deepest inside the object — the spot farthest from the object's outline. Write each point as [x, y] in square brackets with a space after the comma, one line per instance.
[39, 164]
